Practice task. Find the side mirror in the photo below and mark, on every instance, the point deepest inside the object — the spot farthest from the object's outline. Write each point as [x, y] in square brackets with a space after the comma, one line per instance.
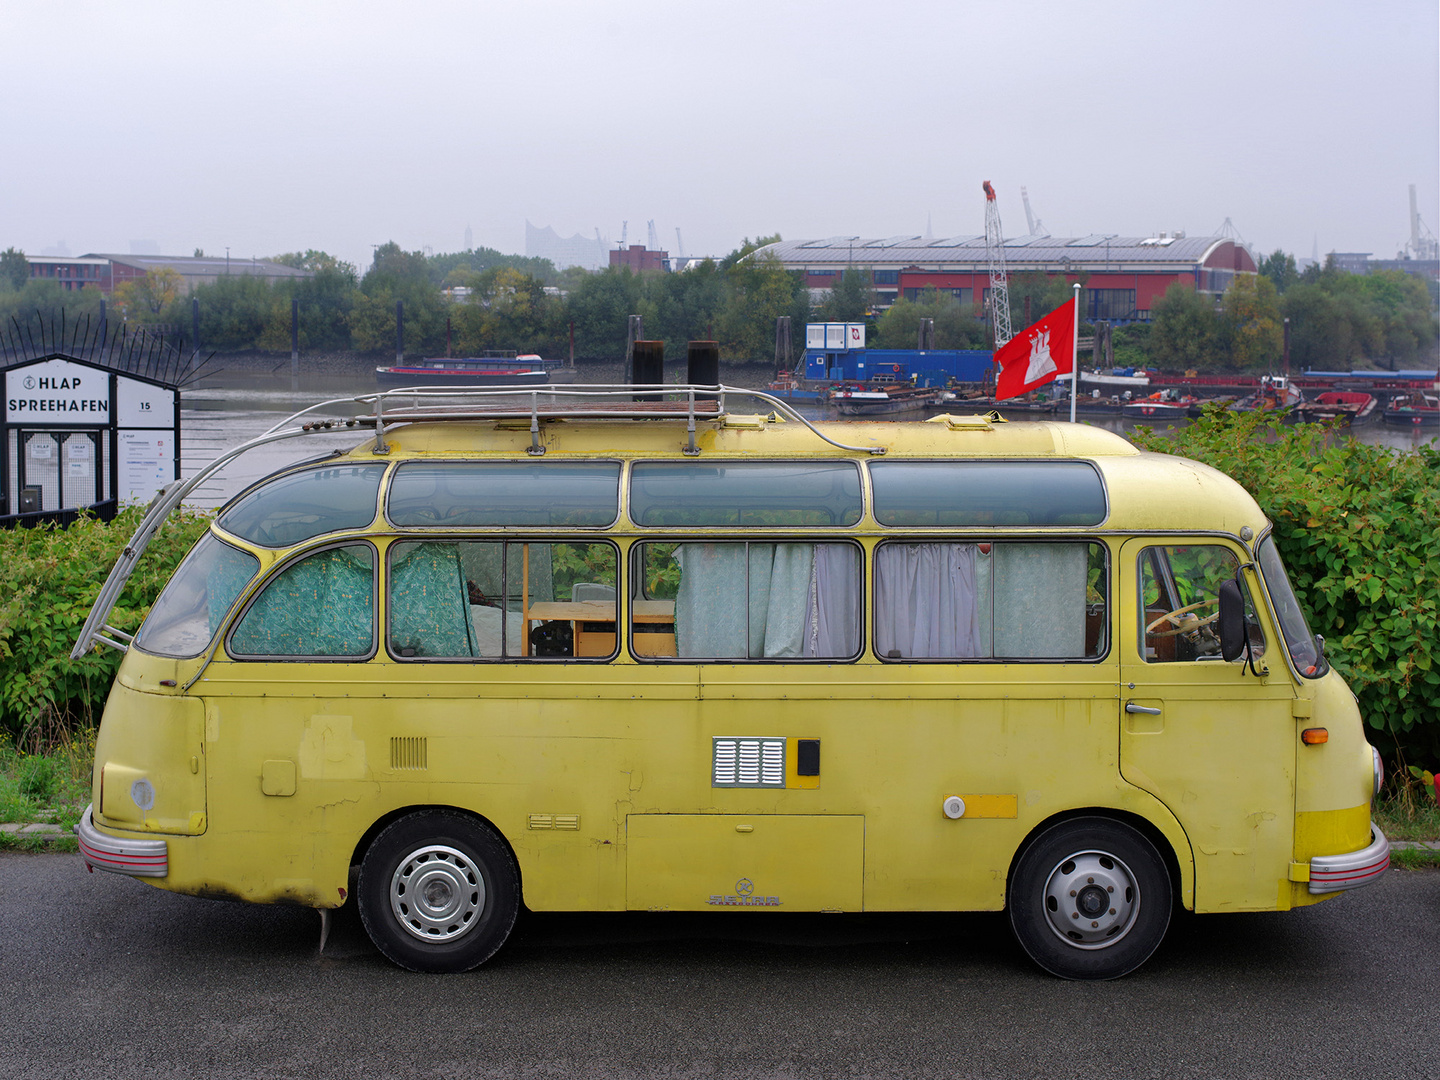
[1231, 621]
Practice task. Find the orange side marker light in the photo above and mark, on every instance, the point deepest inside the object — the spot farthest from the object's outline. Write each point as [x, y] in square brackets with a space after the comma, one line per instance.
[1314, 736]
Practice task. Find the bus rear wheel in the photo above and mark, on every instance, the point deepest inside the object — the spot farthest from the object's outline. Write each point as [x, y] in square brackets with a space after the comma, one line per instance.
[1090, 898]
[438, 891]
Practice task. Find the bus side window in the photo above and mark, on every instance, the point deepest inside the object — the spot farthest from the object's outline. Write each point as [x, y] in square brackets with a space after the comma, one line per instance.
[320, 606]
[1180, 602]
[1000, 601]
[749, 601]
[500, 600]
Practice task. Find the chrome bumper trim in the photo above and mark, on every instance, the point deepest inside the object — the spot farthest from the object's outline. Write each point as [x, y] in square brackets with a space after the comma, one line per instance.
[1334, 873]
[118, 855]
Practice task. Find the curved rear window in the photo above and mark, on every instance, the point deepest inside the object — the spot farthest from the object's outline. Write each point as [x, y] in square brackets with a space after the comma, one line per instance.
[745, 494]
[963, 493]
[284, 511]
[473, 494]
[194, 603]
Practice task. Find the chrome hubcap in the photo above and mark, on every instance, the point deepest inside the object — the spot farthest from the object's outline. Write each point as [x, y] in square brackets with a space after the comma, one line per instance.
[437, 893]
[1091, 899]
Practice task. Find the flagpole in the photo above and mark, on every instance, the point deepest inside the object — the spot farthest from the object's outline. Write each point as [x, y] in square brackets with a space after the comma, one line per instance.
[1075, 355]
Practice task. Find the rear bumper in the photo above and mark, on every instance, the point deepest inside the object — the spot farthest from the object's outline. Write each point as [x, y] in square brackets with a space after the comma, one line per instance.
[1334, 873]
[120, 855]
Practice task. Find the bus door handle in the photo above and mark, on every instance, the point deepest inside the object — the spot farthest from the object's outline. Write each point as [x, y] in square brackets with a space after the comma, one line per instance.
[1131, 707]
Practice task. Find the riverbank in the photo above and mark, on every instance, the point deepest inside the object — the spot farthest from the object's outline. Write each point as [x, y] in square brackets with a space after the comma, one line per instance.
[361, 368]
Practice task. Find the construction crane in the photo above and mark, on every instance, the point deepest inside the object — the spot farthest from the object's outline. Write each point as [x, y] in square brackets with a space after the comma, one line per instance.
[995, 256]
[653, 241]
[624, 233]
[1422, 244]
[1037, 227]
[679, 244]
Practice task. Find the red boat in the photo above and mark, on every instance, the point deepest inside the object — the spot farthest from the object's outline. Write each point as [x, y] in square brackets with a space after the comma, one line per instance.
[1419, 409]
[1276, 393]
[1347, 406]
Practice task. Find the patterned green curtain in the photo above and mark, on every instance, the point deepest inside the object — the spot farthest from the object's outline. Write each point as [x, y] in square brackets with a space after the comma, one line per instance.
[323, 605]
[429, 610]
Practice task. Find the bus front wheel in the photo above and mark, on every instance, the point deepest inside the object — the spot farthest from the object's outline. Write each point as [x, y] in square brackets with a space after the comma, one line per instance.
[1090, 899]
[438, 891]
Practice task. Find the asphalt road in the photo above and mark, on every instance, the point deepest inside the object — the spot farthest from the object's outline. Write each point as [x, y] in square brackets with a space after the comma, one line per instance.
[103, 976]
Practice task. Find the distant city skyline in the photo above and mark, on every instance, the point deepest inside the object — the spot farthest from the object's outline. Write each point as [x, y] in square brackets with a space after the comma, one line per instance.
[267, 127]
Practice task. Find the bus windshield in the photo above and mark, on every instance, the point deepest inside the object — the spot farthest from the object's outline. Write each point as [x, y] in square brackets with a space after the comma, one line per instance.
[1304, 648]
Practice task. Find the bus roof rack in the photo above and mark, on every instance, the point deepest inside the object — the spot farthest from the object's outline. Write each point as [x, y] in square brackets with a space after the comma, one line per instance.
[594, 401]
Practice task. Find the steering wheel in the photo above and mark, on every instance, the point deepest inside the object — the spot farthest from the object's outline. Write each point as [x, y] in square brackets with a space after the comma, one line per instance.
[1184, 625]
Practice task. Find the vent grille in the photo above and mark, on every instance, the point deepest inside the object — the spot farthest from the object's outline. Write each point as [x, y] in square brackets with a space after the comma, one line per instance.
[748, 763]
[408, 752]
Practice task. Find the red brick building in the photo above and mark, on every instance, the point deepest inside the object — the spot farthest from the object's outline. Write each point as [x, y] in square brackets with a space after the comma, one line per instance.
[1126, 275]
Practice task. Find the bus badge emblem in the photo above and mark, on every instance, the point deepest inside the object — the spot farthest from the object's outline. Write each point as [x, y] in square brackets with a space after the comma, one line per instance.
[744, 897]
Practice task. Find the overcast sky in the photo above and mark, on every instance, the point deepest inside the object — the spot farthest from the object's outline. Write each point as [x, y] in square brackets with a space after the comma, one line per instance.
[270, 127]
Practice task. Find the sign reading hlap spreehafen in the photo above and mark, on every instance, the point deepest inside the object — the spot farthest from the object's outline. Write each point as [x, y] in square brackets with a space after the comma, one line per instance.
[80, 435]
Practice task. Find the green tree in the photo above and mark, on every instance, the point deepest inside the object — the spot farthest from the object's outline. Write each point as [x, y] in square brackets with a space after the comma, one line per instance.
[14, 269]
[599, 307]
[478, 260]
[851, 297]
[956, 326]
[49, 302]
[404, 276]
[1279, 267]
[758, 290]
[1046, 292]
[235, 311]
[143, 299]
[1251, 323]
[1184, 330]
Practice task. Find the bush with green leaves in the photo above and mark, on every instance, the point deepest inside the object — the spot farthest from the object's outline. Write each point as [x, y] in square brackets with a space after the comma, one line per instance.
[52, 577]
[1359, 529]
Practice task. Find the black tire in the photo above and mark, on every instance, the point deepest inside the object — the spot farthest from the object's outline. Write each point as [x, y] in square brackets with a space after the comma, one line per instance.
[1090, 898]
[438, 891]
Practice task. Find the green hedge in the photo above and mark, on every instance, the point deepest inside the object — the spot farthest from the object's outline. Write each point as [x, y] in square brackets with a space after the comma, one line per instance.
[52, 576]
[1359, 529]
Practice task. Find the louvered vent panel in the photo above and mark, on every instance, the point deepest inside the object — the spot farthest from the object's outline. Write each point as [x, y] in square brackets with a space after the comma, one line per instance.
[750, 763]
[408, 752]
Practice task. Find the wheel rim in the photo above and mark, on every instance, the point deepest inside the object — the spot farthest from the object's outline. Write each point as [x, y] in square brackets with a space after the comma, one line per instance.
[437, 893]
[1091, 900]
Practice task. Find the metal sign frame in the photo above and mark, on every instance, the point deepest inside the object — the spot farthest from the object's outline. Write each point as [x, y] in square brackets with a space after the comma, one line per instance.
[134, 405]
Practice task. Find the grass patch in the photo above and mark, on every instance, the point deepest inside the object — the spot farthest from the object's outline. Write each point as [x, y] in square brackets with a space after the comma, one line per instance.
[1400, 822]
[47, 782]
[1414, 859]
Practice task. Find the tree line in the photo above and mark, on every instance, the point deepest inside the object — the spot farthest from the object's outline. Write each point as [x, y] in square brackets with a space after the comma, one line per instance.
[482, 300]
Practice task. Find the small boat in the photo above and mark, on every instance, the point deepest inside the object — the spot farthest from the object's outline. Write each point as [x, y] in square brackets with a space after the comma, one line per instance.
[788, 386]
[1116, 378]
[864, 399]
[1164, 403]
[493, 369]
[1418, 409]
[1346, 406]
[1276, 394]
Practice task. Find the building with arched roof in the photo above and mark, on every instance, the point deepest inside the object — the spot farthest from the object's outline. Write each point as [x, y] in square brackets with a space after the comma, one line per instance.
[1125, 274]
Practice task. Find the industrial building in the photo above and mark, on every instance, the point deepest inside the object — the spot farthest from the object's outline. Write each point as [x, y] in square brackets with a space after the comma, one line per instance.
[105, 272]
[1125, 274]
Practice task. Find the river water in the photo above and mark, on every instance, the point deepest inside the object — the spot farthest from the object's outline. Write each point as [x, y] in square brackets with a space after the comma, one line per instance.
[225, 410]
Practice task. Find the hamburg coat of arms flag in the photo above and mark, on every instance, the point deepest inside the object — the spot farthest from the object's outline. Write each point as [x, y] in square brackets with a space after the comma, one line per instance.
[1037, 354]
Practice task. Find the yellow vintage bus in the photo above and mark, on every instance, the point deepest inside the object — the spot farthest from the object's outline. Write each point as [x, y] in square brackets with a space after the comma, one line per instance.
[615, 649]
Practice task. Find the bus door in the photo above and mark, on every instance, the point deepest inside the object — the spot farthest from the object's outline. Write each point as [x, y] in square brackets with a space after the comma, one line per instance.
[1212, 740]
[747, 804]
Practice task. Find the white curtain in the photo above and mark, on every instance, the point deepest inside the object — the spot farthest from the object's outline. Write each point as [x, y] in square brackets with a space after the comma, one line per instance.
[777, 600]
[967, 601]
[928, 599]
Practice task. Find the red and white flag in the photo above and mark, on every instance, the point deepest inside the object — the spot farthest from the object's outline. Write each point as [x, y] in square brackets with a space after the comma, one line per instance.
[1037, 354]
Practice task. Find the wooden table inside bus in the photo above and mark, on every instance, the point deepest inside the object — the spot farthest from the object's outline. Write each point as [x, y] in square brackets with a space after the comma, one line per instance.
[588, 616]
